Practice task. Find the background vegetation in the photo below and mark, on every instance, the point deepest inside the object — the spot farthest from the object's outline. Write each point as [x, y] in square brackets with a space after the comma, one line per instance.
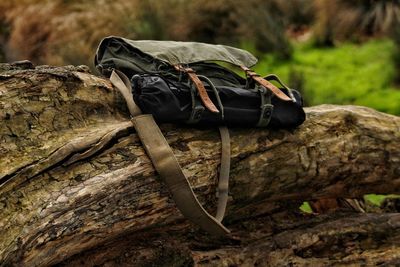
[341, 52]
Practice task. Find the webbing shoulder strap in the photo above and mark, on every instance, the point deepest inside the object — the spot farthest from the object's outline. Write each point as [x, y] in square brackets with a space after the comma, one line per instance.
[165, 163]
[122, 83]
[223, 182]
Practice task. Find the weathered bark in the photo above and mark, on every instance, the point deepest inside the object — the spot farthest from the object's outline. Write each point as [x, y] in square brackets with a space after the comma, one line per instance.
[278, 240]
[75, 177]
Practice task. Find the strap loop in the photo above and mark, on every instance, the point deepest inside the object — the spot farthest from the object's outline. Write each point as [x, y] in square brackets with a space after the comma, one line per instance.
[215, 91]
[263, 82]
[273, 77]
[200, 88]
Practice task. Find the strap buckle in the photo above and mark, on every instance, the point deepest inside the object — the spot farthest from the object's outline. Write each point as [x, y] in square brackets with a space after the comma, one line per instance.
[197, 107]
[196, 114]
[265, 116]
[266, 107]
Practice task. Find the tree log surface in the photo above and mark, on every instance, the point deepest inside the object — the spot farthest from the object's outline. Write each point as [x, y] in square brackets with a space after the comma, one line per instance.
[77, 186]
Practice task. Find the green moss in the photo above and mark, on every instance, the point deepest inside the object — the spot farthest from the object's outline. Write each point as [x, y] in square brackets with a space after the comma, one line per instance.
[377, 200]
[305, 207]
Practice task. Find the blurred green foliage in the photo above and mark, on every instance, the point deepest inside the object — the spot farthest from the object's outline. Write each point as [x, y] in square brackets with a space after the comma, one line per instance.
[375, 199]
[360, 74]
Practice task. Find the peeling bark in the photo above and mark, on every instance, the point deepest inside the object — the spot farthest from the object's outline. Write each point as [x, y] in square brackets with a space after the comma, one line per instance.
[76, 185]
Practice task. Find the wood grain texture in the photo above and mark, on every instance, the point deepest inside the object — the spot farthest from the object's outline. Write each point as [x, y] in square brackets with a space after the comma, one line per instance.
[74, 176]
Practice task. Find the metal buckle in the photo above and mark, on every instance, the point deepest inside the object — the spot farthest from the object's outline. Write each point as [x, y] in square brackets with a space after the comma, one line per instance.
[195, 116]
[265, 116]
[197, 107]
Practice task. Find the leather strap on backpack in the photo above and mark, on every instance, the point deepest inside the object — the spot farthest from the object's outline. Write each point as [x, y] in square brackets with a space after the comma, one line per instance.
[263, 82]
[200, 88]
[165, 163]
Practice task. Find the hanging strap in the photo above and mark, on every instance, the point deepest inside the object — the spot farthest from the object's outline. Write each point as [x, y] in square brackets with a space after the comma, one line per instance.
[200, 88]
[165, 163]
[223, 182]
[122, 83]
[263, 82]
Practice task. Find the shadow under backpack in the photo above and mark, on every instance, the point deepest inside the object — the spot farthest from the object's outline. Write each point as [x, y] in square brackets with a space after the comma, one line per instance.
[182, 82]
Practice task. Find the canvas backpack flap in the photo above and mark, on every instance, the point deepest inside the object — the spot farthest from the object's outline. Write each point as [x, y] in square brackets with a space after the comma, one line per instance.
[115, 53]
[175, 52]
[158, 57]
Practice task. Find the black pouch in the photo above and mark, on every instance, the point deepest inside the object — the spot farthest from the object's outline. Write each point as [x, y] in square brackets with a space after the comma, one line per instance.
[176, 102]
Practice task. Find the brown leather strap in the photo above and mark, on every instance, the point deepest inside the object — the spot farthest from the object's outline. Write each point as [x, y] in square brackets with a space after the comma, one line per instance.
[200, 88]
[165, 163]
[275, 90]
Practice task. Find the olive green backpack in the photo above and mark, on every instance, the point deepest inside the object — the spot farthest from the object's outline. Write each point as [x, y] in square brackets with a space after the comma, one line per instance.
[189, 75]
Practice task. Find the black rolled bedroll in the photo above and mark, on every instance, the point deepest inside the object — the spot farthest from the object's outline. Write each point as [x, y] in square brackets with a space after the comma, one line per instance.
[170, 101]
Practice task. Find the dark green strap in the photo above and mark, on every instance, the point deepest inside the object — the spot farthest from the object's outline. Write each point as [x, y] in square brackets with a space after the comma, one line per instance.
[214, 89]
[274, 77]
[165, 163]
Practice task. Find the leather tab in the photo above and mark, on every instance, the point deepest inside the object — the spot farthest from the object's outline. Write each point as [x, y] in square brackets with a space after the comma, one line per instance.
[200, 88]
[275, 90]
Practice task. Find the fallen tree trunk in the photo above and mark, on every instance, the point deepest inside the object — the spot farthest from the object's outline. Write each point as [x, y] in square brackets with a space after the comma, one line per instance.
[75, 177]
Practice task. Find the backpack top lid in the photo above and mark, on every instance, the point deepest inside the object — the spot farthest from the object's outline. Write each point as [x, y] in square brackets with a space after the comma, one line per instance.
[173, 52]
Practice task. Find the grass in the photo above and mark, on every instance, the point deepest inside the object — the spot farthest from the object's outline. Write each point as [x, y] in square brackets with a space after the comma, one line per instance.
[348, 74]
[373, 199]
